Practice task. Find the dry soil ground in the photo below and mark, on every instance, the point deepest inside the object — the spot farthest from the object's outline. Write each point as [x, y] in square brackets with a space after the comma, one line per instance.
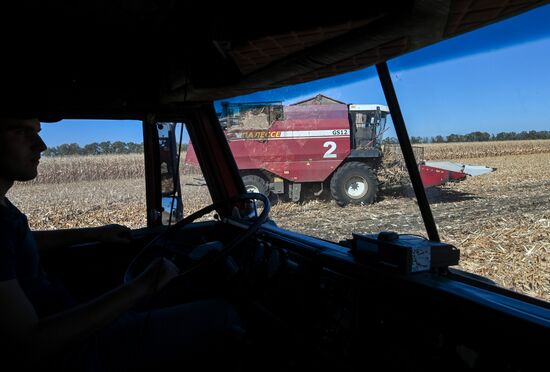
[500, 221]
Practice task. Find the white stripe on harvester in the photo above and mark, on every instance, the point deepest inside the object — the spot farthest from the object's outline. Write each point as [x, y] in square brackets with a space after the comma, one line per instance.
[255, 134]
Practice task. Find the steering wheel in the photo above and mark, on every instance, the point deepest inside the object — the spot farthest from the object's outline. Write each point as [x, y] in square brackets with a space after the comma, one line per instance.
[164, 245]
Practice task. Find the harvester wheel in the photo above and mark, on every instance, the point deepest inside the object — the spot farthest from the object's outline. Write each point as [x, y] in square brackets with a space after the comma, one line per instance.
[257, 184]
[354, 183]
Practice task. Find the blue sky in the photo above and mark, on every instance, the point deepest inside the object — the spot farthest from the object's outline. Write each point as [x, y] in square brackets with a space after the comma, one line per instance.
[495, 79]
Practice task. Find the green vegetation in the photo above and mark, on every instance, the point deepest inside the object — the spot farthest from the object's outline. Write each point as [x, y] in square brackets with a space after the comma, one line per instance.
[479, 137]
[102, 148]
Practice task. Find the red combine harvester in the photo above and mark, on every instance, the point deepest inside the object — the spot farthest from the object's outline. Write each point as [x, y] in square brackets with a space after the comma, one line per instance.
[320, 142]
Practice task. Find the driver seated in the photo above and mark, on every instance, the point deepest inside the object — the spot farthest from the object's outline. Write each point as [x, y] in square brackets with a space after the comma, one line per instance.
[41, 325]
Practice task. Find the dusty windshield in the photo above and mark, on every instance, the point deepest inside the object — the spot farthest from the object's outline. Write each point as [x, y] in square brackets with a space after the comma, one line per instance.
[92, 174]
[482, 112]
[476, 113]
[328, 164]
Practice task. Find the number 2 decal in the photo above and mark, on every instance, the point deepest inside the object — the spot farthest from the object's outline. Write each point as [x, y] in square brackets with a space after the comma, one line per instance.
[330, 152]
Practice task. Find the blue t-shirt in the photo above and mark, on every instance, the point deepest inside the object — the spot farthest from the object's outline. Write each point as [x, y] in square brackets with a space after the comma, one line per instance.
[19, 260]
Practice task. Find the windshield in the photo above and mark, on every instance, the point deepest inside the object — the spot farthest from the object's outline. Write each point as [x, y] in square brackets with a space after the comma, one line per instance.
[368, 127]
[476, 112]
[486, 114]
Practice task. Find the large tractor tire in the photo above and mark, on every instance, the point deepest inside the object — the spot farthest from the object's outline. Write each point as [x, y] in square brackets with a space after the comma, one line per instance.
[354, 183]
[254, 183]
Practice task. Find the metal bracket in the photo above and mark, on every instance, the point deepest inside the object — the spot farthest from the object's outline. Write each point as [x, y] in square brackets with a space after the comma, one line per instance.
[294, 191]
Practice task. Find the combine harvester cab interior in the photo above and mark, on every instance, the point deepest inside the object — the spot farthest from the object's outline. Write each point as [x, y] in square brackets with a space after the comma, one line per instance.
[357, 289]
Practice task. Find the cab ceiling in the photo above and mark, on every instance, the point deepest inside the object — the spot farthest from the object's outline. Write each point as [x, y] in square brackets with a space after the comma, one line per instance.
[129, 57]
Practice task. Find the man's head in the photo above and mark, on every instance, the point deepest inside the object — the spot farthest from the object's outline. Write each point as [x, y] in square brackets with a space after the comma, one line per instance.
[20, 148]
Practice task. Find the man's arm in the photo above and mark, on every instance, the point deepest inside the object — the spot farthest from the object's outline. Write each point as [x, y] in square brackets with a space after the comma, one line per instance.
[47, 240]
[28, 340]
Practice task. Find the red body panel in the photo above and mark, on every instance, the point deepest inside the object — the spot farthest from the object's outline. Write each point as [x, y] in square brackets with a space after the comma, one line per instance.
[435, 176]
[307, 146]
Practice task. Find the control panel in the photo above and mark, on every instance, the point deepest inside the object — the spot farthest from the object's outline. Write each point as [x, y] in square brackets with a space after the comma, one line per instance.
[403, 253]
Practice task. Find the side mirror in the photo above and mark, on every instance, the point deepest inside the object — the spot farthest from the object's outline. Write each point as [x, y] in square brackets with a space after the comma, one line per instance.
[171, 200]
[171, 210]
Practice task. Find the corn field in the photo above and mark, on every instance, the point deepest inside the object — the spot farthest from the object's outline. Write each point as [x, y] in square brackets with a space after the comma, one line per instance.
[440, 151]
[499, 221]
[113, 167]
[89, 168]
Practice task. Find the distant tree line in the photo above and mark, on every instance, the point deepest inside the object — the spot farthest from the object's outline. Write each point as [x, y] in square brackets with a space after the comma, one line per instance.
[478, 137]
[101, 148]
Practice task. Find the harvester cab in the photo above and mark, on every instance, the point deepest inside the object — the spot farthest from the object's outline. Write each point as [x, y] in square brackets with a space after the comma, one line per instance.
[368, 123]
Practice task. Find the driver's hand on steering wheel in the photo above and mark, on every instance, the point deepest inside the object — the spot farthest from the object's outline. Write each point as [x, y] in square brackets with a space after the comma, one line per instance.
[158, 274]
